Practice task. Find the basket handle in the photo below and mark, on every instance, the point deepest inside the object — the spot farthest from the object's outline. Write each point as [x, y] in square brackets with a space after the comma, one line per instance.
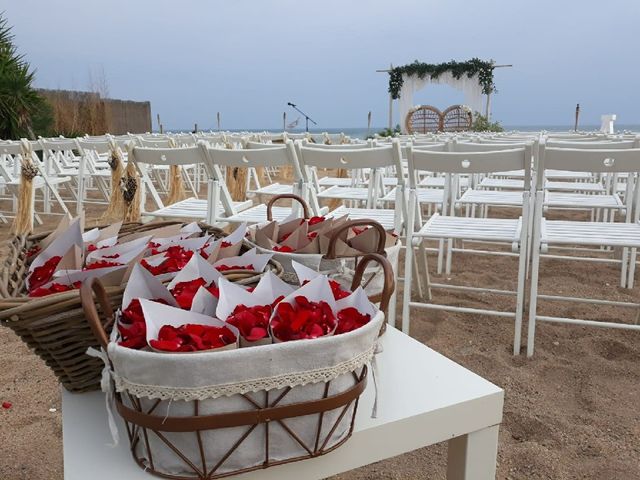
[300, 200]
[87, 289]
[389, 277]
[382, 234]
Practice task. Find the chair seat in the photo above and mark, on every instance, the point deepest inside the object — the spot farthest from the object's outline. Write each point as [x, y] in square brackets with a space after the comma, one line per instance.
[425, 195]
[348, 182]
[582, 200]
[549, 174]
[574, 186]
[333, 181]
[615, 234]
[345, 193]
[193, 208]
[567, 175]
[471, 228]
[502, 183]
[438, 182]
[385, 217]
[258, 214]
[491, 197]
[273, 189]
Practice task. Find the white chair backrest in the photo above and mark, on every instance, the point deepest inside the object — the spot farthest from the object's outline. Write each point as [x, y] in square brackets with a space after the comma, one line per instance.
[470, 162]
[346, 146]
[169, 156]
[11, 148]
[158, 142]
[268, 156]
[99, 146]
[185, 139]
[608, 160]
[600, 145]
[373, 157]
[252, 144]
[484, 147]
[59, 144]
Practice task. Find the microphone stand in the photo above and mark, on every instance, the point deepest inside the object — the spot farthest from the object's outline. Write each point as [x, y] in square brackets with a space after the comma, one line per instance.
[306, 117]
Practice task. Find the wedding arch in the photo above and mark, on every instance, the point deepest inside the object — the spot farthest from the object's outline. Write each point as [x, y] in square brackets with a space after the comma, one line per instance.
[473, 77]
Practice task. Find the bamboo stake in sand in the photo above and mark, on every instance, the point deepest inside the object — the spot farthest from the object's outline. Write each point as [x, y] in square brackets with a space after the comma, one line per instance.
[23, 223]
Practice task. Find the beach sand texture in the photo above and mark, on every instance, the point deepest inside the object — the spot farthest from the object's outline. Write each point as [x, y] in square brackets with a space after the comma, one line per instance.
[571, 412]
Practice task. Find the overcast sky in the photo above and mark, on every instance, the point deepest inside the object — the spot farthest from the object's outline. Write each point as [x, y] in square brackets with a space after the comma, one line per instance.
[247, 59]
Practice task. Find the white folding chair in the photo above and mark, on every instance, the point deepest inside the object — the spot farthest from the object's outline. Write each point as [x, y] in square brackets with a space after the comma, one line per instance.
[374, 158]
[509, 232]
[147, 158]
[94, 156]
[161, 172]
[584, 235]
[10, 178]
[225, 209]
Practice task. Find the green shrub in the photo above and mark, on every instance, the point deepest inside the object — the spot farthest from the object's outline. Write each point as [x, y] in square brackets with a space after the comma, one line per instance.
[482, 124]
[23, 111]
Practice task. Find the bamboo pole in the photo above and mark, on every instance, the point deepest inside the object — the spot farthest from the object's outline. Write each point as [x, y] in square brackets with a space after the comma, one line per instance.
[575, 127]
[218, 117]
[369, 123]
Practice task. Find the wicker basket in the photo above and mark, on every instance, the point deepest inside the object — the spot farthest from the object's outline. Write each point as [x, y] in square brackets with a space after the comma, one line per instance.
[375, 280]
[188, 435]
[54, 327]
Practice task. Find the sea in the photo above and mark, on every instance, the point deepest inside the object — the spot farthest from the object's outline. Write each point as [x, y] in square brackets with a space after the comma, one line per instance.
[364, 132]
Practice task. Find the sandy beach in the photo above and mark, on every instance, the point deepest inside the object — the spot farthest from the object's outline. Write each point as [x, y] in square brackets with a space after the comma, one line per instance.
[570, 411]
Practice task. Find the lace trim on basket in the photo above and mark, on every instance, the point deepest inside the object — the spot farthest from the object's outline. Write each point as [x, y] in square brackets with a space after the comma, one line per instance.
[255, 385]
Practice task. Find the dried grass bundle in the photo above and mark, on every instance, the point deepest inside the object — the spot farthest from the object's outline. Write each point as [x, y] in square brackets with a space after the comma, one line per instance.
[23, 222]
[176, 184]
[115, 209]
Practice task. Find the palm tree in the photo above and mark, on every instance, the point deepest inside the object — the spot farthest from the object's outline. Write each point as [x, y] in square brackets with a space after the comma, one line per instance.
[21, 106]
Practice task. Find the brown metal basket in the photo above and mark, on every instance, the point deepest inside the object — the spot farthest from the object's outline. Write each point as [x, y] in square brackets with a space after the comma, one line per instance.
[54, 327]
[316, 426]
[387, 269]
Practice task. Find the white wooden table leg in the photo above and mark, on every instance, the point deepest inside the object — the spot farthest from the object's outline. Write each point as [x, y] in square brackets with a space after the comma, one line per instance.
[473, 456]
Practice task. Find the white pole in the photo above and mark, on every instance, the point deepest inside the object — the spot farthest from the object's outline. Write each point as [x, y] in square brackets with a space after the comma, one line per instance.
[487, 111]
[391, 104]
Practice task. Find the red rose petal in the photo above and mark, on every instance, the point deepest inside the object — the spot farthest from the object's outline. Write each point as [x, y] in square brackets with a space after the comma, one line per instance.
[225, 268]
[43, 274]
[305, 319]
[283, 248]
[7, 405]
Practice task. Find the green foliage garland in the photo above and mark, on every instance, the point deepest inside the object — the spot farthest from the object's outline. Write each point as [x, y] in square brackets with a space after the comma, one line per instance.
[483, 69]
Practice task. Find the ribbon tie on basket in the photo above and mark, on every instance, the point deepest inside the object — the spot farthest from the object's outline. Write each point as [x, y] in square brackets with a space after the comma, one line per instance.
[105, 386]
[376, 379]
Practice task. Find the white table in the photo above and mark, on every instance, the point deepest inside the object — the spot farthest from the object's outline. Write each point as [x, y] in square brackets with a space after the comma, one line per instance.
[424, 398]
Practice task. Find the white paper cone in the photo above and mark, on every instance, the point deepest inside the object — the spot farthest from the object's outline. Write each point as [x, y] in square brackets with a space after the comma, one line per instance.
[142, 284]
[156, 315]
